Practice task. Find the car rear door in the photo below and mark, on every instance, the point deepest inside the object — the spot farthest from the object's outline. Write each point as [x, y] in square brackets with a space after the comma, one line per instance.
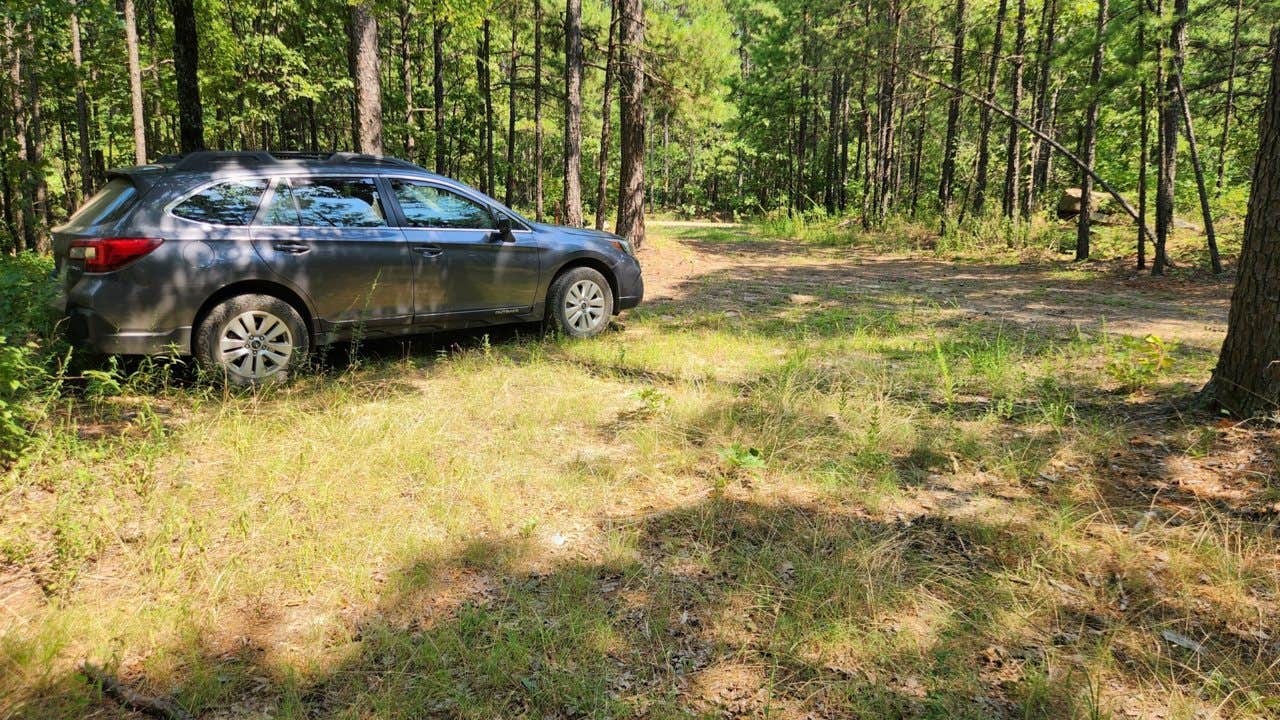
[331, 237]
[462, 264]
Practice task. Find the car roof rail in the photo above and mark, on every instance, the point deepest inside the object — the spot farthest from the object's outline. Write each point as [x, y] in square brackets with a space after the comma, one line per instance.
[204, 160]
[366, 159]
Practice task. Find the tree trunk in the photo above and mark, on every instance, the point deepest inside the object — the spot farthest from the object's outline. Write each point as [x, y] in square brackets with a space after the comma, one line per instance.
[1044, 111]
[1215, 259]
[25, 236]
[135, 83]
[437, 93]
[537, 110]
[945, 184]
[186, 63]
[631, 111]
[1246, 381]
[484, 82]
[606, 119]
[39, 239]
[1089, 139]
[885, 101]
[984, 116]
[367, 78]
[1229, 109]
[406, 78]
[510, 191]
[1012, 201]
[573, 113]
[1169, 137]
[82, 108]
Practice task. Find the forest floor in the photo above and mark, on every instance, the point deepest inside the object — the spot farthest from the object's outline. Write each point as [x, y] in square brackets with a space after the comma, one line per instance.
[803, 480]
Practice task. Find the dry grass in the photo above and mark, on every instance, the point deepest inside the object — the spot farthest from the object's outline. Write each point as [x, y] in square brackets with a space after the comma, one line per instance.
[775, 493]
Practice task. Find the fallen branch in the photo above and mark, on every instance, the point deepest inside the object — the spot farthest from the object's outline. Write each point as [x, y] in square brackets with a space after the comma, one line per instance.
[1044, 138]
[160, 707]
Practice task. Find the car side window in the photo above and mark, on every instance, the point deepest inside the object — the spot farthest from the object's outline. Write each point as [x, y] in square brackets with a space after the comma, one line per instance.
[428, 206]
[228, 203]
[335, 202]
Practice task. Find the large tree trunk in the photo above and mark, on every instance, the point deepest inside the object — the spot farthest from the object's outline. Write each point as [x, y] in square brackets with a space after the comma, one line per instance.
[186, 63]
[945, 185]
[631, 110]
[537, 110]
[35, 143]
[984, 115]
[135, 83]
[1229, 107]
[1246, 381]
[606, 119]
[1013, 197]
[82, 108]
[1089, 138]
[437, 93]
[573, 113]
[20, 48]
[367, 78]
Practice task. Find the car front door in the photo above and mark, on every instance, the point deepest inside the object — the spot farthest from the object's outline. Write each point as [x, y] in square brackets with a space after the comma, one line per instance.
[331, 237]
[463, 265]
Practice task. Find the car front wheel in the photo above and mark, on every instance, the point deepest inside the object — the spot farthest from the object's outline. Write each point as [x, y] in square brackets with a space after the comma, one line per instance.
[252, 340]
[580, 303]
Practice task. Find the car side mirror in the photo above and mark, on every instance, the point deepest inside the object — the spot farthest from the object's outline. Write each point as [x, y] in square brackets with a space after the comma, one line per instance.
[504, 230]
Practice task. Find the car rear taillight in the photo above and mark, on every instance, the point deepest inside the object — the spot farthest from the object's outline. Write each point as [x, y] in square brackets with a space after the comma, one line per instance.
[106, 254]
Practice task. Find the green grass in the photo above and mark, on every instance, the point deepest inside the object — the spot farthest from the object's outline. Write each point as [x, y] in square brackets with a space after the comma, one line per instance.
[853, 507]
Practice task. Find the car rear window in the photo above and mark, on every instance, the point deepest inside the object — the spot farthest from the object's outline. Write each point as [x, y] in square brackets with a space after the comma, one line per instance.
[107, 205]
[228, 203]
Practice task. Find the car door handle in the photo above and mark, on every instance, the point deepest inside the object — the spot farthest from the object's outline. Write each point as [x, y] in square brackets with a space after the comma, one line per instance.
[429, 250]
[292, 248]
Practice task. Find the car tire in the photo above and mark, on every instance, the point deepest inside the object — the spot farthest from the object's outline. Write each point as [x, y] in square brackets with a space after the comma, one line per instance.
[580, 303]
[252, 340]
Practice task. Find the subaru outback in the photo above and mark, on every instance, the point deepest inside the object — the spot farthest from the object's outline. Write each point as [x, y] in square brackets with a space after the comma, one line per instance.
[248, 260]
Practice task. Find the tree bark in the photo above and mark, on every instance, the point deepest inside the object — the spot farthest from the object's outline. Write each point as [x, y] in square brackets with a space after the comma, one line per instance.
[885, 101]
[484, 82]
[367, 78]
[1089, 139]
[606, 119]
[25, 236]
[631, 110]
[135, 82]
[1246, 381]
[945, 184]
[186, 63]
[984, 116]
[573, 113]
[1013, 197]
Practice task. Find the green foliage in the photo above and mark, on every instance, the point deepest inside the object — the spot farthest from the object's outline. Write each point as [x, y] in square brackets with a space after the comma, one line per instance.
[740, 456]
[1138, 363]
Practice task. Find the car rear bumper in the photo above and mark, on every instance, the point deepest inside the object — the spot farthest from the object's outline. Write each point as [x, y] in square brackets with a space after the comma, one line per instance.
[87, 329]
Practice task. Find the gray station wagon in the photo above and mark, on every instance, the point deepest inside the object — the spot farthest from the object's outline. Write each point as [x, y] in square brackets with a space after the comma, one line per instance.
[247, 260]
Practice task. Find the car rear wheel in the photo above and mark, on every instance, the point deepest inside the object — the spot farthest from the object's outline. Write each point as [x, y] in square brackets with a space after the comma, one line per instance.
[580, 303]
[252, 340]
